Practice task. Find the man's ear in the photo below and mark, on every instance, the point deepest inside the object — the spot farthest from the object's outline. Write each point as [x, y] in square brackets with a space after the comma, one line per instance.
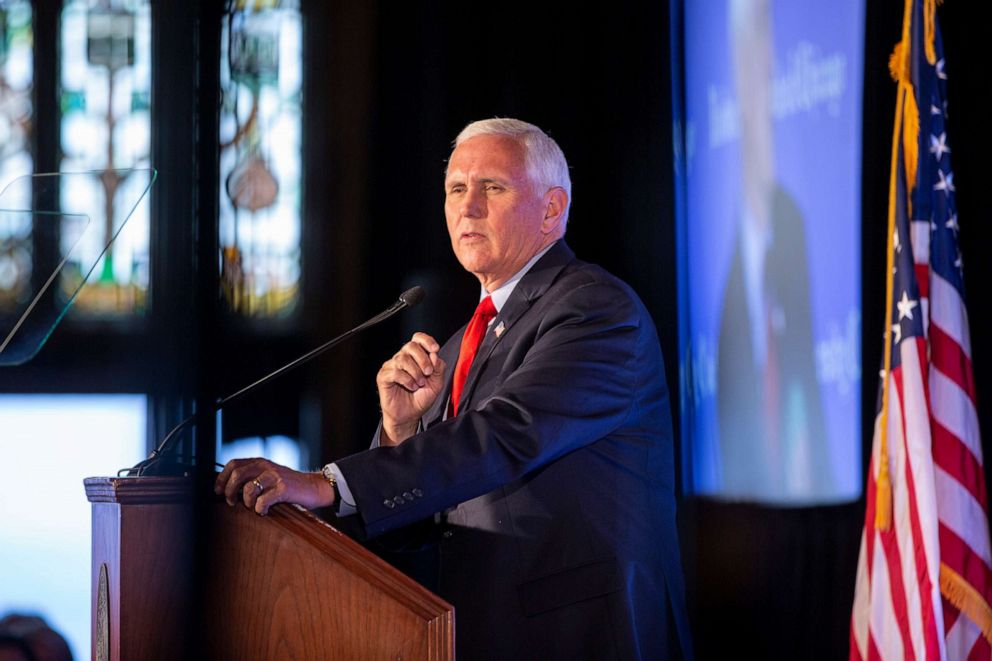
[555, 201]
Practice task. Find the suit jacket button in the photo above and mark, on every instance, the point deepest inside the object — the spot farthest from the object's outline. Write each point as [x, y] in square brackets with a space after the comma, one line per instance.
[418, 493]
[388, 503]
[407, 496]
[447, 534]
[398, 500]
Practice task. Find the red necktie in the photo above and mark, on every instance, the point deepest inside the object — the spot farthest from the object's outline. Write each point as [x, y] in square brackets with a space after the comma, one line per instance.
[470, 345]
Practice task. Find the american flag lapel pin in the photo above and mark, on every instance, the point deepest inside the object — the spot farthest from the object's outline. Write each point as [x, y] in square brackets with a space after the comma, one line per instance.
[500, 327]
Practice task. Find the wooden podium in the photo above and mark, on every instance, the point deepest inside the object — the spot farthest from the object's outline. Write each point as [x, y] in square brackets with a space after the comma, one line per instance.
[284, 586]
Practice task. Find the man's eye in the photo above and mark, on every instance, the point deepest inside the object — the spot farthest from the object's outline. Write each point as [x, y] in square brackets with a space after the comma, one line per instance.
[493, 187]
[455, 190]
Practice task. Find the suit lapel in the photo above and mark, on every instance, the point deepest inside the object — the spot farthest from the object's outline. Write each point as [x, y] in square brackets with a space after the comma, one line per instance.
[530, 288]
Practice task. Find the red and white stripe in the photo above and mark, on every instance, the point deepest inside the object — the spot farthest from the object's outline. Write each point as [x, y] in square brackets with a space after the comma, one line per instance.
[939, 496]
[897, 607]
[957, 448]
[961, 497]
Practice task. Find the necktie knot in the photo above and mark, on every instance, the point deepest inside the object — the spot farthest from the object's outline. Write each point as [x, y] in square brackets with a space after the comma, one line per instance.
[485, 310]
[474, 332]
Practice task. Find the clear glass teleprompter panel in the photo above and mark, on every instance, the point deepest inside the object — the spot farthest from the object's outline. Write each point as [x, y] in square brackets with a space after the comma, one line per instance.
[53, 241]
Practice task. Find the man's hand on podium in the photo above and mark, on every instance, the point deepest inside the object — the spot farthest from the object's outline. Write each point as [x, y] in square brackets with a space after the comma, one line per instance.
[260, 484]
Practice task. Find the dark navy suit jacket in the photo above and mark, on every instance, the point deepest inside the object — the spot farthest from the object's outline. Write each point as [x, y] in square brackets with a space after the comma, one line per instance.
[556, 479]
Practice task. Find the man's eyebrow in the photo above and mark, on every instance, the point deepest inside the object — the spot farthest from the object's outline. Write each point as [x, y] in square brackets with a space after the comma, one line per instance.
[459, 179]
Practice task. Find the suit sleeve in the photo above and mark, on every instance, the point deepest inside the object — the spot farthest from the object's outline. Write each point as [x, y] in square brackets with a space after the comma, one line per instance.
[574, 385]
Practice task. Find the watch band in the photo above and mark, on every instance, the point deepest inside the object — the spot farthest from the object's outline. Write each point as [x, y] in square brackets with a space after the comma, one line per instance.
[329, 476]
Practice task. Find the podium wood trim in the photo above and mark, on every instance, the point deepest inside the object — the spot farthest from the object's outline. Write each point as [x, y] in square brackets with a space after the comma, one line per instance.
[137, 491]
[142, 541]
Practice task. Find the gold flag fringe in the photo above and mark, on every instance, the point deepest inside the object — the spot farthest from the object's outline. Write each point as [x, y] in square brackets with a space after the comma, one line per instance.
[957, 590]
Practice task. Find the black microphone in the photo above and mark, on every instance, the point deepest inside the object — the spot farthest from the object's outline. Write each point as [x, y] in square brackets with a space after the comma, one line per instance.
[413, 296]
[158, 463]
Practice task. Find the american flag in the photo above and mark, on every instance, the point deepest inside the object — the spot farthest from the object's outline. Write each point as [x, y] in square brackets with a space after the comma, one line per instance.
[924, 578]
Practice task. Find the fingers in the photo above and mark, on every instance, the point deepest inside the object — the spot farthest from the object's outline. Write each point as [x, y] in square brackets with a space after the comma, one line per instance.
[241, 478]
[269, 497]
[257, 486]
[233, 477]
[401, 370]
[413, 364]
[427, 342]
[264, 491]
[420, 352]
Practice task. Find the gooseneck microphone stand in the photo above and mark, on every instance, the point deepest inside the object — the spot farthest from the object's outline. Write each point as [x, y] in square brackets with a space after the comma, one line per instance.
[162, 462]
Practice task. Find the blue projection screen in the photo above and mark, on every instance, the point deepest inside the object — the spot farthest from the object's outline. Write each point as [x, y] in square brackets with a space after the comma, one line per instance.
[770, 250]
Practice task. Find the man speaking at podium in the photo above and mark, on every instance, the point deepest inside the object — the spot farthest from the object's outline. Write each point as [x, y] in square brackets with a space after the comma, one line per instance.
[536, 443]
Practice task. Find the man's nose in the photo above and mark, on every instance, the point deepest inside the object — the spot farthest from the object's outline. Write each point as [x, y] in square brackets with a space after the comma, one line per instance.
[473, 204]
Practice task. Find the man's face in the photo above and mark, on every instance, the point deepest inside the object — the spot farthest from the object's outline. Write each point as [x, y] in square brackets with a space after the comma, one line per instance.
[495, 217]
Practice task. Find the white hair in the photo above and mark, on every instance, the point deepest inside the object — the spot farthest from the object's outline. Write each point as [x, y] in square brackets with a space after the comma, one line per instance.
[545, 161]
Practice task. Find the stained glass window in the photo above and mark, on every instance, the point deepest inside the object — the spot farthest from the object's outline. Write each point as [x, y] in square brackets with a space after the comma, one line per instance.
[260, 184]
[105, 103]
[16, 125]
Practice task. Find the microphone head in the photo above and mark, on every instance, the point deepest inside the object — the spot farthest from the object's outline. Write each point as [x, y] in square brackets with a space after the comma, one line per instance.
[413, 296]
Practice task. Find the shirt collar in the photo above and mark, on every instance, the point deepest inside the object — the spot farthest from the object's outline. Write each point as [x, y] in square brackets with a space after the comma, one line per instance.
[502, 293]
